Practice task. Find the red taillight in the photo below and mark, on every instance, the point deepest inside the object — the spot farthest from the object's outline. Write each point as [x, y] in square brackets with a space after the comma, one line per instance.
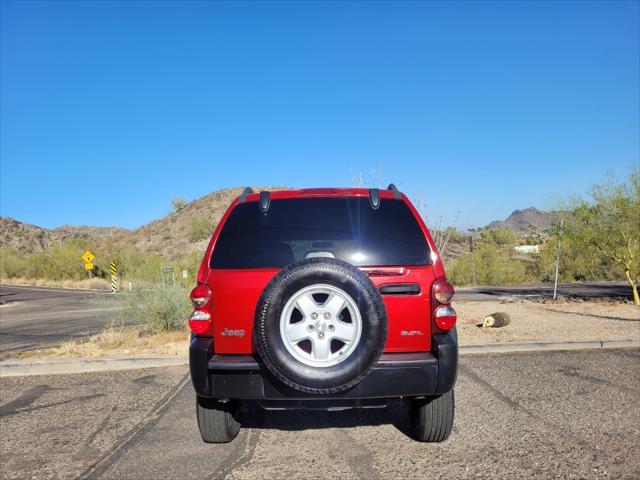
[199, 322]
[200, 319]
[445, 317]
[443, 292]
[200, 296]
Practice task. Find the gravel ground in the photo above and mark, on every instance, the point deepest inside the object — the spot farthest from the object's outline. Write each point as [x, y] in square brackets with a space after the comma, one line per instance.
[532, 321]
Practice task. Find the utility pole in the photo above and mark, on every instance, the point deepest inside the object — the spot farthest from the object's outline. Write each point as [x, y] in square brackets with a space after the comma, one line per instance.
[473, 261]
[555, 285]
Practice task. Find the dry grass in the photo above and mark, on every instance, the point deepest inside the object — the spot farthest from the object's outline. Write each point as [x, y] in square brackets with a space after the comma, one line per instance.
[125, 342]
[88, 284]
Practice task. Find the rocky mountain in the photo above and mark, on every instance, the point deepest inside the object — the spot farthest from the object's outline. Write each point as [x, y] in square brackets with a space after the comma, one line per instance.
[28, 239]
[529, 220]
[169, 236]
[172, 235]
[23, 237]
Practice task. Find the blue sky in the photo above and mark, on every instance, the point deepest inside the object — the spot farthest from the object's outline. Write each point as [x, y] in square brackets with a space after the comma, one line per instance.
[110, 109]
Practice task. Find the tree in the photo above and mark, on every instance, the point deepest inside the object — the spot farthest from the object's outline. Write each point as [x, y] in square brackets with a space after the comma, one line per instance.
[178, 202]
[502, 237]
[607, 225]
[492, 266]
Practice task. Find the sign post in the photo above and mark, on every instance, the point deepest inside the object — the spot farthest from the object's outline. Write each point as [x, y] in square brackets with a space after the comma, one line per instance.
[555, 283]
[114, 277]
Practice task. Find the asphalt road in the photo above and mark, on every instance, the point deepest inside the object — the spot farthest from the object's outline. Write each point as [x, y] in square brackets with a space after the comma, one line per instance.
[614, 290]
[34, 317]
[536, 415]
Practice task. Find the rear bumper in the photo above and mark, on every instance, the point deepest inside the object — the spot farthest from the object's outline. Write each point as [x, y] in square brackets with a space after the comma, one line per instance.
[395, 375]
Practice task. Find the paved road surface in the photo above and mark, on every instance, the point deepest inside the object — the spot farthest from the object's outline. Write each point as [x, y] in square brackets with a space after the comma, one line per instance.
[34, 317]
[579, 290]
[535, 415]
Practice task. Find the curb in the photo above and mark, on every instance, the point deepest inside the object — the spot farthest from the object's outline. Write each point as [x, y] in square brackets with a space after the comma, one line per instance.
[547, 346]
[18, 368]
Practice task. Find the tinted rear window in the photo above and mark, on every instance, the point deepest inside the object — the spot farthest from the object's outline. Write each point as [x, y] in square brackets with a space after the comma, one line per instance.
[345, 228]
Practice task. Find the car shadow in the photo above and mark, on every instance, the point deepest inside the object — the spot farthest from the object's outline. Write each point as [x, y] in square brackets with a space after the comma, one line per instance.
[395, 413]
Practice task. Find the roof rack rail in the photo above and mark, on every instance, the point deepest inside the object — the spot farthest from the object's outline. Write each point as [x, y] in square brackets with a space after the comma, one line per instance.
[265, 201]
[244, 194]
[394, 189]
[374, 198]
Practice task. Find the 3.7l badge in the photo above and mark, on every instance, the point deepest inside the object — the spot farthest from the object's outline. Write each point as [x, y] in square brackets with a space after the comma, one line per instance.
[411, 333]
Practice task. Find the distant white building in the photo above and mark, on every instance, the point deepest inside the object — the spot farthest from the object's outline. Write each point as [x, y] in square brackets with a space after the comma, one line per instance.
[528, 248]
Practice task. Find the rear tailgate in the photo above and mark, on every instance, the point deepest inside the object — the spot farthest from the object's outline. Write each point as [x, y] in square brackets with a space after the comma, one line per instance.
[236, 293]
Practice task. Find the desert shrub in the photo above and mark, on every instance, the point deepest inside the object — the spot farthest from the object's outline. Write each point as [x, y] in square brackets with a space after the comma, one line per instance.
[502, 237]
[199, 229]
[160, 308]
[63, 262]
[12, 264]
[133, 265]
[178, 203]
[492, 267]
[191, 263]
[576, 262]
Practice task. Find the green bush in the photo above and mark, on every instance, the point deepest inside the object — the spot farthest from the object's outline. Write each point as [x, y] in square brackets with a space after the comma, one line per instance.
[199, 229]
[502, 237]
[492, 267]
[12, 264]
[160, 308]
[63, 262]
[576, 262]
[133, 265]
[178, 203]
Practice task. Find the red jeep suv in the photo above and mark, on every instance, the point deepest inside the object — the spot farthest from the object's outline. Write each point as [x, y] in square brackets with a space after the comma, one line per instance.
[322, 298]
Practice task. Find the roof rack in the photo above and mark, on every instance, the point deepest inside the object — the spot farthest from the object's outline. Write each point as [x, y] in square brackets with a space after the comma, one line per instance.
[265, 201]
[374, 198]
[394, 189]
[244, 194]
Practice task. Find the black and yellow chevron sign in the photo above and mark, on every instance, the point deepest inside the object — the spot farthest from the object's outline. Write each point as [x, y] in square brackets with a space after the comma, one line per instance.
[114, 276]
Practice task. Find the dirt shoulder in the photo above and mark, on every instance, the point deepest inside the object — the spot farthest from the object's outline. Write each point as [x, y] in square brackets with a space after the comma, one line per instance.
[532, 321]
[128, 342]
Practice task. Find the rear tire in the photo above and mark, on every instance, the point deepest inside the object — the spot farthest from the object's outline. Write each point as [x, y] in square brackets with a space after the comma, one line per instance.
[432, 418]
[217, 421]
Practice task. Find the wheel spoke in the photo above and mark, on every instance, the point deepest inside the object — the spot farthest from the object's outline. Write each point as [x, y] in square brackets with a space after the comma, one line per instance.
[343, 331]
[297, 332]
[334, 305]
[320, 350]
[307, 305]
[320, 325]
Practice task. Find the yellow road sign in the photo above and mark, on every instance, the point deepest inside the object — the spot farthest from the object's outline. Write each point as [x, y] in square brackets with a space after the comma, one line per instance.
[88, 266]
[88, 257]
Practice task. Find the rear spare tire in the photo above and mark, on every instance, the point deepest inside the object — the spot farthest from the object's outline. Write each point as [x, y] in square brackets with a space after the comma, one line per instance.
[320, 325]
